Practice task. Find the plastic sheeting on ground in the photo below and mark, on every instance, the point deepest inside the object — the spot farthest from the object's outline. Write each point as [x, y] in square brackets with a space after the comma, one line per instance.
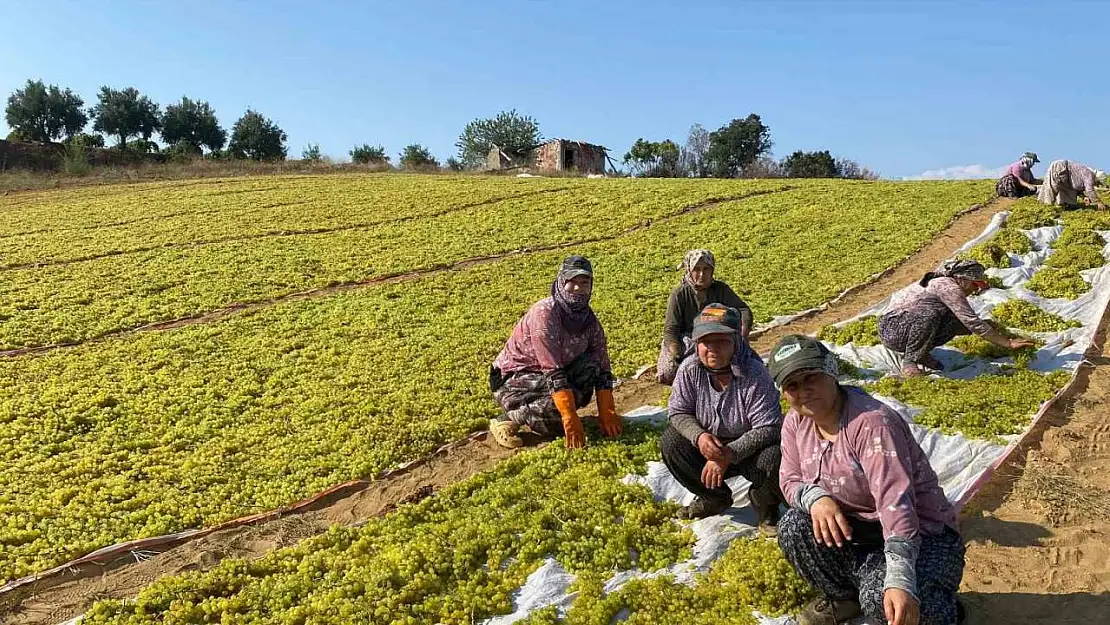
[960, 463]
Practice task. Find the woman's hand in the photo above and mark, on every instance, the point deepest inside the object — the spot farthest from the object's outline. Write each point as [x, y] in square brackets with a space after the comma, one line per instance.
[830, 526]
[713, 475]
[1020, 343]
[711, 447]
[900, 607]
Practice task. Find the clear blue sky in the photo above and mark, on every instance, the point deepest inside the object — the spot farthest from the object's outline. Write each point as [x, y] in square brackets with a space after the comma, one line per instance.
[902, 87]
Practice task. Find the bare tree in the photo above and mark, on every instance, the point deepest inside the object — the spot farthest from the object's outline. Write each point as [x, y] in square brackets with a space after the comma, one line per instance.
[851, 170]
[692, 161]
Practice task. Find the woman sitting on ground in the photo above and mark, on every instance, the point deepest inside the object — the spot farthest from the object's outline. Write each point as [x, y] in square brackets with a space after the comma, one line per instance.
[555, 359]
[724, 421]
[698, 289]
[868, 526]
[1018, 181]
[935, 310]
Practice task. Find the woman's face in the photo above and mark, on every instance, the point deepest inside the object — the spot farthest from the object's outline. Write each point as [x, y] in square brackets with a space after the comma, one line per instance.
[715, 350]
[579, 285]
[811, 392]
[702, 276]
[971, 287]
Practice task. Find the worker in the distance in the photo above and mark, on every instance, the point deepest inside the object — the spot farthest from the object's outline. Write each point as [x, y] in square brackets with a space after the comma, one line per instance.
[869, 526]
[1065, 180]
[724, 418]
[555, 359]
[1018, 181]
[935, 310]
[698, 289]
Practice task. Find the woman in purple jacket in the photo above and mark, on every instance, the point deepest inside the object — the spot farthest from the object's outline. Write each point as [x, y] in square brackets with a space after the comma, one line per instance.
[869, 526]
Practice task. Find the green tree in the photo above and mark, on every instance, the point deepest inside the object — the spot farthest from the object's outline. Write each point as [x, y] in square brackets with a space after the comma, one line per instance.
[736, 145]
[811, 165]
[253, 136]
[192, 125]
[87, 140]
[40, 113]
[367, 154]
[312, 153]
[125, 113]
[416, 156]
[654, 159]
[512, 132]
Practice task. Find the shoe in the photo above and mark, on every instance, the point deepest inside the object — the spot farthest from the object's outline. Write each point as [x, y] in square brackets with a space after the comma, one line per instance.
[823, 611]
[702, 508]
[767, 515]
[505, 433]
[911, 371]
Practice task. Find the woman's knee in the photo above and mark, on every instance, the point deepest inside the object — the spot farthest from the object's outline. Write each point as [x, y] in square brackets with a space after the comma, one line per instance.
[795, 529]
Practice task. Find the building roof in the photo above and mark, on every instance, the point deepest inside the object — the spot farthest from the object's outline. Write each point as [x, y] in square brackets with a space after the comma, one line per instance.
[592, 145]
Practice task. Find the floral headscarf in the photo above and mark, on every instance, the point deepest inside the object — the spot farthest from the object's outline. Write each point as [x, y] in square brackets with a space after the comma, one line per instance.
[691, 260]
[574, 308]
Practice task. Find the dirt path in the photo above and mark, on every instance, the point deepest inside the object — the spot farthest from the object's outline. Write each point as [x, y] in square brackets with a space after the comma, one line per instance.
[52, 601]
[1038, 537]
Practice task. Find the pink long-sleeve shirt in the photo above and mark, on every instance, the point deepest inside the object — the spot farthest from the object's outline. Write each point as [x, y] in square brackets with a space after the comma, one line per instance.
[875, 470]
[940, 292]
[540, 343]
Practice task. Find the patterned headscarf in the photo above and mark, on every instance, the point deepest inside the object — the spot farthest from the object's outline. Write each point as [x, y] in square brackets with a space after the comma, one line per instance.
[573, 308]
[691, 260]
[962, 268]
[1029, 159]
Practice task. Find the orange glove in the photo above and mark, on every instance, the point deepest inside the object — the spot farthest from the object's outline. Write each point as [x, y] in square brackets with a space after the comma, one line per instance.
[572, 425]
[607, 413]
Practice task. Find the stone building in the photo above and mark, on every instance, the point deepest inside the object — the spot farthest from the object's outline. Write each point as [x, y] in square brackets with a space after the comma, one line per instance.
[554, 155]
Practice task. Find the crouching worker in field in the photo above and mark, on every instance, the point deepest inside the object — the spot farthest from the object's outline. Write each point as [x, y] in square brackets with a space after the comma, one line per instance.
[868, 525]
[1064, 180]
[724, 421]
[1018, 181]
[934, 311]
[555, 359]
[698, 289]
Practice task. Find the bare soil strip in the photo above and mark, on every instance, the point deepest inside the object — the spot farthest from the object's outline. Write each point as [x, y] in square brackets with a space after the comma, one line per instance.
[269, 234]
[245, 307]
[52, 600]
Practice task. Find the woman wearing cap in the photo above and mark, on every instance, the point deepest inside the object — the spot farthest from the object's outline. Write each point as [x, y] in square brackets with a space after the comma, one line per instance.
[868, 526]
[935, 310]
[724, 421]
[698, 289]
[555, 359]
[1063, 180]
[1018, 181]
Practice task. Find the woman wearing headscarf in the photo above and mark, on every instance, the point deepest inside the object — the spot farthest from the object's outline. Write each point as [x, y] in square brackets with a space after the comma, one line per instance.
[697, 290]
[869, 526]
[724, 416]
[1064, 180]
[555, 359]
[935, 310]
[1018, 181]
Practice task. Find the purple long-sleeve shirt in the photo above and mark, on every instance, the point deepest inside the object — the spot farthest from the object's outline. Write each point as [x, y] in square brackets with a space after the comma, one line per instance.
[875, 471]
[749, 401]
[940, 293]
[540, 343]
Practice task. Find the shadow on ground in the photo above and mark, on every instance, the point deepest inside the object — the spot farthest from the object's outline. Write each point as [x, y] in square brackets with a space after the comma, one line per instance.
[1017, 608]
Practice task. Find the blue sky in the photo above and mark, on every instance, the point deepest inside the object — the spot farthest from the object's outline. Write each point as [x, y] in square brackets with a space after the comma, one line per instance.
[901, 87]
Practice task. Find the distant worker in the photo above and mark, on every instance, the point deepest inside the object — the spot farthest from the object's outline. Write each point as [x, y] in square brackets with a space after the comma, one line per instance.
[555, 359]
[935, 310]
[1064, 180]
[869, 526]
[724, 421]
[1018, 181]
[698, 289]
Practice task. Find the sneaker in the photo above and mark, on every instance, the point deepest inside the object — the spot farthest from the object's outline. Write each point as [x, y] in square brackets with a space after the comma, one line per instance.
[505, 433]
[823, 611]
[702, 508]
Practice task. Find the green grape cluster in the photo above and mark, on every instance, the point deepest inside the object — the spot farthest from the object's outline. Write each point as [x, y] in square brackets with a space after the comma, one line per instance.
[1052, 283]
[1078, 236]
[863, 332]
[452, 558]
[1028, 213]
[1076, 257]
[1025, 315]
[976, 346]
[751, 575]
[996, 251]
[987, 406]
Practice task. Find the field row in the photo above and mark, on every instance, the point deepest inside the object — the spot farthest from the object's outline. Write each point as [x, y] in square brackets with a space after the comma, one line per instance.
[163, 431]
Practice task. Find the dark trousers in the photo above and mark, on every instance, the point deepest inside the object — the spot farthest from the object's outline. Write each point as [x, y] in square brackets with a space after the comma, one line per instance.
[858, 570]
[525, 396]
[914, 333]
[686, 462]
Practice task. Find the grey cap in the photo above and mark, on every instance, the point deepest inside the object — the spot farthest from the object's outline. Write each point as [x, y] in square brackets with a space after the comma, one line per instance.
[795, 353]
[716, 319]
[576, 266]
